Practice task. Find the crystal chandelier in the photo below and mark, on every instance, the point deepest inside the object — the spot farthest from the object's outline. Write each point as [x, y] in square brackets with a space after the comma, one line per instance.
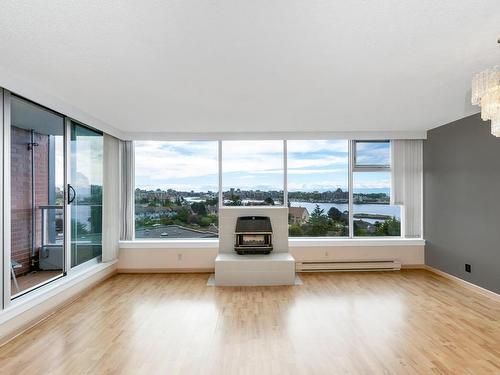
[486, 94]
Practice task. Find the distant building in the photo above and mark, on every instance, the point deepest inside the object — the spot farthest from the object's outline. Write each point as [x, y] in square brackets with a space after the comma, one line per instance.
[298, 215]
[143, 211]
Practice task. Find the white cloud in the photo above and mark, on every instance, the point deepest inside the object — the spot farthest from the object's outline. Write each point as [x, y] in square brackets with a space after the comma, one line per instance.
[166, 164]
[318, 146]
[317, 162]
[162, 160]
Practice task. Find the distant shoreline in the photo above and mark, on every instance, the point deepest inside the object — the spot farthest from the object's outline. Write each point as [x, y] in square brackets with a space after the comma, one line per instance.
[337, 202]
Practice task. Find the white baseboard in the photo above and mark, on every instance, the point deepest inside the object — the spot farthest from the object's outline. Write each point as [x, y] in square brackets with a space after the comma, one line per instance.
[465, 284]
[413, 267]
[165, 270]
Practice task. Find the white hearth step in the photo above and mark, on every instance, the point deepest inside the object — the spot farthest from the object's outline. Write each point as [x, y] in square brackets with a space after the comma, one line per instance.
[240, 270]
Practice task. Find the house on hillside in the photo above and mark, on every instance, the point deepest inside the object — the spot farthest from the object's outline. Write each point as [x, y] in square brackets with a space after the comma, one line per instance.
[298, 215]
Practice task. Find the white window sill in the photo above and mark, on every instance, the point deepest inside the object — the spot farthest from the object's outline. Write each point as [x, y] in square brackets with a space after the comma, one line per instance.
[45, 292]
[293, 242]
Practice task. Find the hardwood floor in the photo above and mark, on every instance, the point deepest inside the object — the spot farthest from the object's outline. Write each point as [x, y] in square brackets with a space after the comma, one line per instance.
[408, 322]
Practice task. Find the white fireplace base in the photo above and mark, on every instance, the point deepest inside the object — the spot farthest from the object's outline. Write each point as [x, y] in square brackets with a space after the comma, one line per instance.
[240, 270]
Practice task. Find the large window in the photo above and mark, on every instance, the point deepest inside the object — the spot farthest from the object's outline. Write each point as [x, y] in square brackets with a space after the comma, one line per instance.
[373, 215]
[176, 193]
[318, 196]
[177, 186]
[252, 173]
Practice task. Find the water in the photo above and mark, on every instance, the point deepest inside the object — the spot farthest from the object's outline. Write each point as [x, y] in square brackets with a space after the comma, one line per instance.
[382, 209]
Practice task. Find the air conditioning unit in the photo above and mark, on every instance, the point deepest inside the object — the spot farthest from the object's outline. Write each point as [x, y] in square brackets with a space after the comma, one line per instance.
[51, 257]
[356, 265]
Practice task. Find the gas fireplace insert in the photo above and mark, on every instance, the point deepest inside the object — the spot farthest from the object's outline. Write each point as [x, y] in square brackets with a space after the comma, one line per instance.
[253, 235]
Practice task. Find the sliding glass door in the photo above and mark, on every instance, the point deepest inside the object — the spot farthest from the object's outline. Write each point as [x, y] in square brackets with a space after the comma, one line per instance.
[52, 195]
[85, 193]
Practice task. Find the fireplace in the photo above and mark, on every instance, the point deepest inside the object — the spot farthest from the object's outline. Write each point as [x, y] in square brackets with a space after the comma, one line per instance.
[253, 235]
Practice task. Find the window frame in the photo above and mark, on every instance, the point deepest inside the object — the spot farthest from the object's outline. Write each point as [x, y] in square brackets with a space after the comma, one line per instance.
[349, 188]
[219, 194]
[367, 169]
[352, 168]
[370, 167]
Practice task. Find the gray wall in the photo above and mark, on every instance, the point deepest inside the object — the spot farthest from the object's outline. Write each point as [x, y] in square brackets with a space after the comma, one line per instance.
[462, 201]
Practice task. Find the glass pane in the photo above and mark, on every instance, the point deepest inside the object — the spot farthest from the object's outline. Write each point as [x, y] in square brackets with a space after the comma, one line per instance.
[373, 154]
[252, 173]
[373, 213]
[176, 193]
[37, 184]
[318, 196]
[86, 180]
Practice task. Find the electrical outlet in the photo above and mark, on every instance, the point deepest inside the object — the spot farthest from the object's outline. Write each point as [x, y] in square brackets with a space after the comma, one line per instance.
[326, 254]
[467, 268]
[179, 257]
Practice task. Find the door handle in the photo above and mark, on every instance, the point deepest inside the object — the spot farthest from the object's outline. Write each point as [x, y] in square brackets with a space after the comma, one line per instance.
[70, 197]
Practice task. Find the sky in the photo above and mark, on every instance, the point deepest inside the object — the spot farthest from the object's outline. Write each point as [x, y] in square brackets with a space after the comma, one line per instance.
[250, 165]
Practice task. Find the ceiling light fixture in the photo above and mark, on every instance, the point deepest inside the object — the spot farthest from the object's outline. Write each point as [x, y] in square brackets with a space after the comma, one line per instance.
[486, 94]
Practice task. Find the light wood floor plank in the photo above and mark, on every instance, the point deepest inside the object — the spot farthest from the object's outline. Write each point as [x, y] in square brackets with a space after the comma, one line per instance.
[408, 322]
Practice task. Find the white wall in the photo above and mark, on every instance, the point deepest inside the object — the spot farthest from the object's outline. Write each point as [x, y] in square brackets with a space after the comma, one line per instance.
[166, 259]
[407, 255]
[169, 256]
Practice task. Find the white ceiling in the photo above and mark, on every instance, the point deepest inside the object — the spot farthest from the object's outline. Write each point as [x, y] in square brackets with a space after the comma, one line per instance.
[254, 66]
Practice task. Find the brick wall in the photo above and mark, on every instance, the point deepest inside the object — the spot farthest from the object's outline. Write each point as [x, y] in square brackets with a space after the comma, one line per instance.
[21, 193]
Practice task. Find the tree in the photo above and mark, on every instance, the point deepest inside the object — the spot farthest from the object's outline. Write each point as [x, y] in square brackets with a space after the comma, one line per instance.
[319, 222]
[335, 214]
[234, 200]
[214, 219]
[205, 221]
[199, 208]
[183, 215]
[166, 221]
[269, 201]
[338, 216]
[212, 201]
[295, 230]
[360, 228]
[390, 227]
[193, 219]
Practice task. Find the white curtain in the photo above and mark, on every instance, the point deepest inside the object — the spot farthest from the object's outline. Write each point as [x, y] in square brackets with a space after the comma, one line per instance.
[127, 190]
[406, 189]
[111, 198]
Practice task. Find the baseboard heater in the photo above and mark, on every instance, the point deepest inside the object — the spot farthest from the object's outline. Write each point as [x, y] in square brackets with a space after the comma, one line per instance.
[329, 266]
